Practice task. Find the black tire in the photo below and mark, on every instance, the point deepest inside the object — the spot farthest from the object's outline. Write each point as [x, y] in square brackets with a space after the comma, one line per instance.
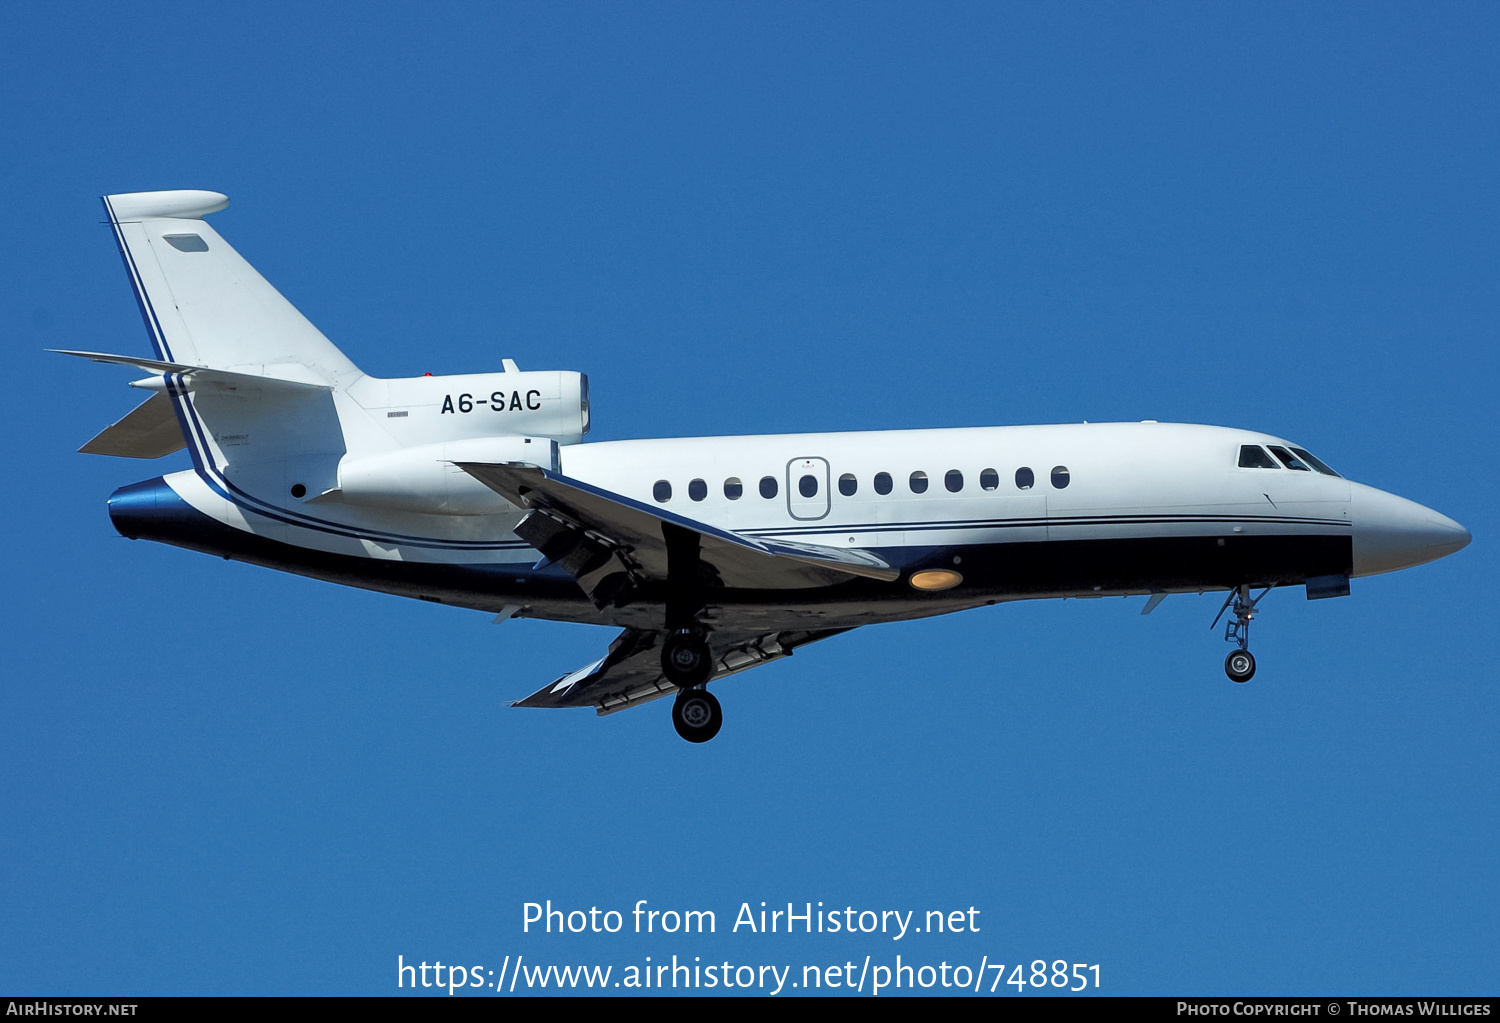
[1240, 666]
[686, 659]
[696, 715]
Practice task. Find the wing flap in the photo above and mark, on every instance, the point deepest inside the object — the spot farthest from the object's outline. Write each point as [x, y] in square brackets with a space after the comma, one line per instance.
[630, 674]
[150, 430]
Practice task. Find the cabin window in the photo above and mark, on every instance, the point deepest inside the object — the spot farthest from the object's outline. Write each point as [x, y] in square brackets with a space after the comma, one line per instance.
[733, 488]
[1253, 456]
[989, 480]
[768, 487]
[1025, 479]
[954, 481]
[1060, 477]
[697, 490]
[807, 486]
[883, 483]
[1311, 460]
[918, 482]
[1291, 460]
[848, 485]
[662, 491]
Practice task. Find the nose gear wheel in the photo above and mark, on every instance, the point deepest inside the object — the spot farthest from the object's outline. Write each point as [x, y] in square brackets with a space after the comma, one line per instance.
[1240, 666]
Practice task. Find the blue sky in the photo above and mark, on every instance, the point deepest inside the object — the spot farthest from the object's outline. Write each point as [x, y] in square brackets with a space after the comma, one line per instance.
[745, 219]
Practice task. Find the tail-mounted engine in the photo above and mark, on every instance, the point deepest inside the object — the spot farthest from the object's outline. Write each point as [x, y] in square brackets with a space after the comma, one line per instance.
[436, 421]
[425, 410]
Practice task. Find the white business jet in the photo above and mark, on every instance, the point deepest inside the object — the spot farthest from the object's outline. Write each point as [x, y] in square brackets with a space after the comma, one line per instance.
[713, 554]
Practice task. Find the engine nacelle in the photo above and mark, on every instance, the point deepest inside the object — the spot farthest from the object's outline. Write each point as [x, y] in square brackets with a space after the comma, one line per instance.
[424, 410]
[424, 478]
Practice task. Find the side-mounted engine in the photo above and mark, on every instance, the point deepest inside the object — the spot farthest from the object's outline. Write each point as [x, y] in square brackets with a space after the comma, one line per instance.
[427, 409]
[435, 421]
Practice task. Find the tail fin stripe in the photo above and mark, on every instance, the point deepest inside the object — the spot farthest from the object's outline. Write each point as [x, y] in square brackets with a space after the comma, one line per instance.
[148, 314]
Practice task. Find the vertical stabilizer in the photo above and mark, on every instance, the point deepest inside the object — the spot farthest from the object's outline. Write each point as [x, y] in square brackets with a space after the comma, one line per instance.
[204, 305]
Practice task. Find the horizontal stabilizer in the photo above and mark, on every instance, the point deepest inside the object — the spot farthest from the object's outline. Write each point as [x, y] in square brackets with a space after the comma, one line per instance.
[608, 541]
[150, 430]
[194, 376]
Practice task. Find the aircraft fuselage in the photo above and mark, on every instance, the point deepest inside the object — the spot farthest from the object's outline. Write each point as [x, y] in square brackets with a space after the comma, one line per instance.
[1085, 510]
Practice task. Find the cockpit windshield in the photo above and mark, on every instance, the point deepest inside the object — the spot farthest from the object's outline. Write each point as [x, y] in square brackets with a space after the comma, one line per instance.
[1307, 456]
[1288, 459]
[1253, 456]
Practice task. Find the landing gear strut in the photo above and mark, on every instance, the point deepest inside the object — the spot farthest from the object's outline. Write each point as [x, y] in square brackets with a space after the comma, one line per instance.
[696, 715]
[1240, 664]
[687, 660]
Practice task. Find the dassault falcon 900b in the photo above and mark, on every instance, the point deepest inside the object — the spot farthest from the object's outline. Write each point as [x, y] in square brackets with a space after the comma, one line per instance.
[713, 554]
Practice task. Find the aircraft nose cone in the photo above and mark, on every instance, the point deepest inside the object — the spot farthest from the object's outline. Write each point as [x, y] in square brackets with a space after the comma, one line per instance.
[1391, 532]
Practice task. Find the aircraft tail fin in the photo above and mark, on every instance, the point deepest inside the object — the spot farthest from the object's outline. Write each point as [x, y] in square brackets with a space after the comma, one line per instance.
[203, 304]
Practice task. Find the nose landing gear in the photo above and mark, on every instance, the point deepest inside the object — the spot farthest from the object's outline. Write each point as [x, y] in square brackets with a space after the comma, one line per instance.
[1240, 664]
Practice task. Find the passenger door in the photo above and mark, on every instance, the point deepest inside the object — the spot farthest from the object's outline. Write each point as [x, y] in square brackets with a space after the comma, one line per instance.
[807, 488]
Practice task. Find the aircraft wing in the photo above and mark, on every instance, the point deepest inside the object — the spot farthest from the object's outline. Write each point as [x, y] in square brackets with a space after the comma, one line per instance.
[612, 544]
[630, 674]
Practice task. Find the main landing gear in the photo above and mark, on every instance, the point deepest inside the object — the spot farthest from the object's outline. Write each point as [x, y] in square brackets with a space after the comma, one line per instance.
[688, 663]
[696, 715]
[686, 659]
[1240, 664]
